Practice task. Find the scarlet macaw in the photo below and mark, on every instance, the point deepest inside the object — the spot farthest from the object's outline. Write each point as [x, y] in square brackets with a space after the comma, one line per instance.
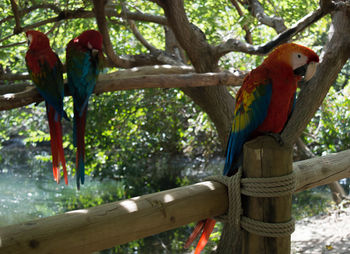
[84, 61]
[45, 69]
[263, 105]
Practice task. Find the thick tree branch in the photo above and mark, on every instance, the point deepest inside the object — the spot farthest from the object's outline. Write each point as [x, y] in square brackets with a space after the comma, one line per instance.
[257, 11]
[13, 96]
[240, 46]
[17, 29]
[334, 56]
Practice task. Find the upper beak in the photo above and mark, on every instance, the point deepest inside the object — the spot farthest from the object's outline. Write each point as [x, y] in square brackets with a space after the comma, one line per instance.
[310, 71]
[307, 70]
[94, 52]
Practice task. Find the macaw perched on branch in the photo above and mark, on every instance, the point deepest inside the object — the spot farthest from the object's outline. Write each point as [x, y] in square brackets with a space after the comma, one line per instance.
[263, 106]
[84, 61]
[46, 70]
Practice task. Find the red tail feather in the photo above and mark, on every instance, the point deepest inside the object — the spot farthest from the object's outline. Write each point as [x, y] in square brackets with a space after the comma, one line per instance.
[208, 228]
[196, 231]
[54, 152]
[56, 145]
[58, 129]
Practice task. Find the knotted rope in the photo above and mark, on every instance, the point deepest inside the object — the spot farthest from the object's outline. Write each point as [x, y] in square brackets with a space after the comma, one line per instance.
[256, 187]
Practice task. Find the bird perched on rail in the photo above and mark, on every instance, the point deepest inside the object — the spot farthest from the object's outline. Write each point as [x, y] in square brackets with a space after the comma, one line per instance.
[45, 70]
[84, 62]
[263, 106]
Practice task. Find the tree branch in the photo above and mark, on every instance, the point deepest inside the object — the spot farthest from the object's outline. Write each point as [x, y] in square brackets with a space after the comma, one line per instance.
[13, 77]
[99, 9]
[80, 13]
[257, 11]
[17, 29]
[248, 35]
[159, 54]
[18, 95]
[139, 36]
[240, 46]
[55, 25]
[139, 16]
[334, 56]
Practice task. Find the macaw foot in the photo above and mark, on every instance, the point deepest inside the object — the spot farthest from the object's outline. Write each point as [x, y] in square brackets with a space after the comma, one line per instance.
[276, 136]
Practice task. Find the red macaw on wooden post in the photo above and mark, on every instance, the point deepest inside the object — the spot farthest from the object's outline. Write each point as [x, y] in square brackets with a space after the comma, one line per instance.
[263, 106]
[84, 62]
[46, 71]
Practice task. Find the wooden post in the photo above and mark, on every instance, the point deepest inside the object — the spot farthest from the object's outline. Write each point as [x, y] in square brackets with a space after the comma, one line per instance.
[264, 157]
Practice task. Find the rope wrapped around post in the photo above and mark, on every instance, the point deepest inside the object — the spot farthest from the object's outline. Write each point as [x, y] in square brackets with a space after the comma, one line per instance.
[256, 187]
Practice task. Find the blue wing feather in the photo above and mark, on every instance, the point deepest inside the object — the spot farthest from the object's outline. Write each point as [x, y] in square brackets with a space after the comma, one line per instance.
[82, 71]
[244, 123]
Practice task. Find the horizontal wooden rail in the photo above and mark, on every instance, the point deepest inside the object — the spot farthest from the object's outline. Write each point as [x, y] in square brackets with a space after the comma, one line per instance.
[105, 226]
[101, 227]
[323, 170]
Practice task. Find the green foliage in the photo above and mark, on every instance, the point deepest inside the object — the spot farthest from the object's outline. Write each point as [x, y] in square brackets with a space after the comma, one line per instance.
[329, 129]
[144, 140]
[137, 134]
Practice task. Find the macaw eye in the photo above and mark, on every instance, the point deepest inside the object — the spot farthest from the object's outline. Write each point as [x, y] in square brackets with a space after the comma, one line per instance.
[299, 56]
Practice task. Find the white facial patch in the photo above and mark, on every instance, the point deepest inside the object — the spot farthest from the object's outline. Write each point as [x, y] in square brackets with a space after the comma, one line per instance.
[30, 39]
[298, 60]
[89, 45]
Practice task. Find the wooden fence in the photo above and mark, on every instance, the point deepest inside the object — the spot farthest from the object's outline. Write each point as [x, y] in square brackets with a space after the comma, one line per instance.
[108, 225]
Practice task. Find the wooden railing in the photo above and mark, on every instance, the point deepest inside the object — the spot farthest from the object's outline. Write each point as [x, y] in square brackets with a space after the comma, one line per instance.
[105, 226]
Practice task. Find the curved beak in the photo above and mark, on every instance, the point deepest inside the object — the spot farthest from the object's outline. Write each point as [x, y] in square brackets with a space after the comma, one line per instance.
[307, 70]
[95, 52]
[310, 71]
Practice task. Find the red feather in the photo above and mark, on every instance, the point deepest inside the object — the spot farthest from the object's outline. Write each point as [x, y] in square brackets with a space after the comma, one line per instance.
[207, 226]
[196, 231]
[56, 145]
[54, 153]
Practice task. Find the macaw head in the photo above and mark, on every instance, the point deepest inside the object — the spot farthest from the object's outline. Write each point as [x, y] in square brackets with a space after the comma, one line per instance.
[37, 40]
[301, 59]
[91, 40]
